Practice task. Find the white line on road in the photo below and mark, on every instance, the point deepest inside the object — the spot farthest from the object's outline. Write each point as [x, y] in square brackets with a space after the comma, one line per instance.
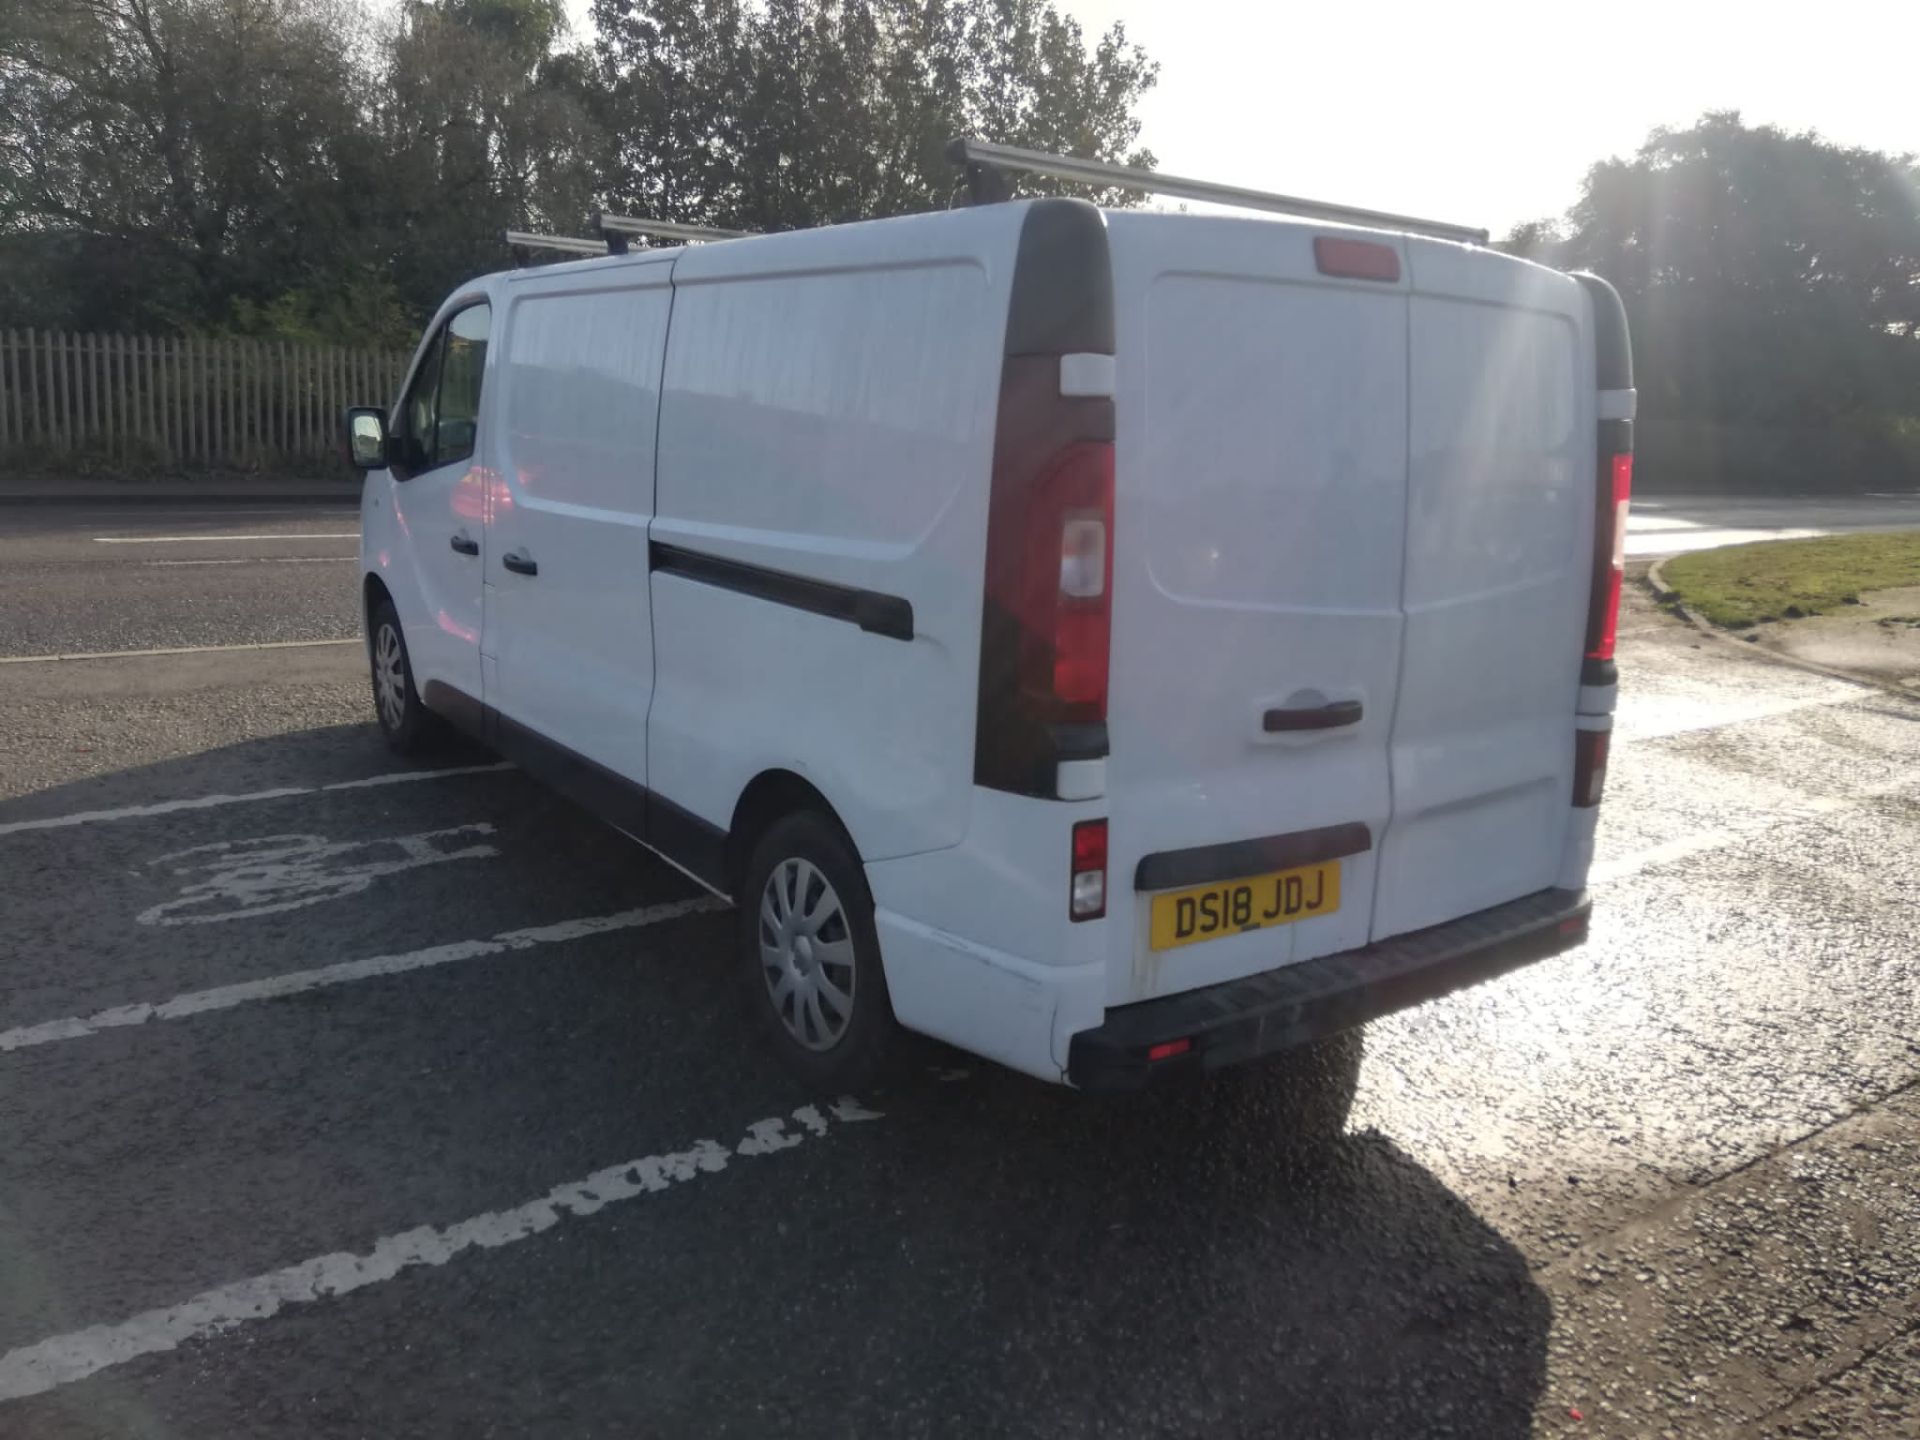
[210, 802]
[297, 982]
[197, 539]
[169, 650]
[261, 560]
[63, 1359]
[1700, 842]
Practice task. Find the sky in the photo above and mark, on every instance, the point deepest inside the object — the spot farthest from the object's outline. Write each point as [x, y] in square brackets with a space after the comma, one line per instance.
[1489, 112]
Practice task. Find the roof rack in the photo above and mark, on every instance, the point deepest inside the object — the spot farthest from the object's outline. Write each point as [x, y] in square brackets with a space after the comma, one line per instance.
[526, 240]
[611, 225]
[987, 165]
[615, 230]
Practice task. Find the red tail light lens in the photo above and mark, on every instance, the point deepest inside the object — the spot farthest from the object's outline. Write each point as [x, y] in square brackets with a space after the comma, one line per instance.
[1590, 765]
[1065, 602]
[1087, 895]
[1609, 555]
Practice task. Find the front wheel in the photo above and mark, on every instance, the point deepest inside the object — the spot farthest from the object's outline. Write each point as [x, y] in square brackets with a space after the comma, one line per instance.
[409, 727]
[810, 956]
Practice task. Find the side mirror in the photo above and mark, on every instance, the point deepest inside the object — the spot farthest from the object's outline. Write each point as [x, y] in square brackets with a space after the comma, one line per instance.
[366, 438]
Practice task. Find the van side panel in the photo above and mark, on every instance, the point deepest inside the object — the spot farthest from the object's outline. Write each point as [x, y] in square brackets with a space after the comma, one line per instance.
[1499, 554]
[826, 435]
[577, 377]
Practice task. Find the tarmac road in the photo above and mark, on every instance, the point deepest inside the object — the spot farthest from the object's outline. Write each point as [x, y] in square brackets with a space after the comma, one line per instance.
[342, 1097]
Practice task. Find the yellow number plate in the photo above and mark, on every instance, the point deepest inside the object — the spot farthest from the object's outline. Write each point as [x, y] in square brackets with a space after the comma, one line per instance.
[1229, 907]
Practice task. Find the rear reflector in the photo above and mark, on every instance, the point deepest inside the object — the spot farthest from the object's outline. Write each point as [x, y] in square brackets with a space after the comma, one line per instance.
[1167, 1049]
[1087, 896]
[1355, 259]
[1590, 765]
[1609, 554]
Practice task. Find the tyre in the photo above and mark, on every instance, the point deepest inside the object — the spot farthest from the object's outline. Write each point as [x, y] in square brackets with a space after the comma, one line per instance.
[1309, 1091]
[810, 957]
[409, 727]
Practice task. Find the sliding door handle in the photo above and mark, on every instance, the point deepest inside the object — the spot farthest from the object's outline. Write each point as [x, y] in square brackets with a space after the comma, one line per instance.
[1332, 716]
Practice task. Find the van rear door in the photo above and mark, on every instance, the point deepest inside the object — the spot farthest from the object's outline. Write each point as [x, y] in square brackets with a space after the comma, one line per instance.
[1498, 575]
[1261, 415]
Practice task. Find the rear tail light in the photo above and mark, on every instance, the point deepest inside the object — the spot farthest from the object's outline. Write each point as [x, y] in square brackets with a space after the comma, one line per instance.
[1088, 888]
[1169, 1049]
[1063, 606]
[1590, 765]
[1047, 604]
[1609, 554]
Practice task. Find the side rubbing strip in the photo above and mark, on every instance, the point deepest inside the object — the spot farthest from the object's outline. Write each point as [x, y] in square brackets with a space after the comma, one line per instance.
[1170, 869]
[873, 612]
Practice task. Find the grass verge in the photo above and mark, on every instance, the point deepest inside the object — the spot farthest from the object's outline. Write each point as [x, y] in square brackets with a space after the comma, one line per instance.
[1744, 585]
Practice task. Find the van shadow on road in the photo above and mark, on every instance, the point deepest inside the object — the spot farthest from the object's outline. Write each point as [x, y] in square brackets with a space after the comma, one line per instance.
[1169, 1263]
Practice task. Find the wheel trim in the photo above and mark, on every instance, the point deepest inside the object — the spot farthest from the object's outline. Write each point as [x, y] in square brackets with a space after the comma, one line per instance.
[390, 676]
[806, 954]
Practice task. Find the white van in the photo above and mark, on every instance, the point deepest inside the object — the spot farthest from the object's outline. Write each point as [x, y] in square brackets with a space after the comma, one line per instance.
[1119, 644]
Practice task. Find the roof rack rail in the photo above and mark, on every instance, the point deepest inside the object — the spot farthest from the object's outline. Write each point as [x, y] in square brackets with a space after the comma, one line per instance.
[611, 225]
[526, 240]
[987, 164]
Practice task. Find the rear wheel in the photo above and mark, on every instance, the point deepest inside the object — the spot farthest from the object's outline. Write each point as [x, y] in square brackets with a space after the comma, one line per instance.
[810, 956]
[409, 727]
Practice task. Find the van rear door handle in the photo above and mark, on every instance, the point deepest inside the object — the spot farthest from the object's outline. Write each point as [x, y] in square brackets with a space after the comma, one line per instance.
[1312, 717]
[464, 546]
[519, 562]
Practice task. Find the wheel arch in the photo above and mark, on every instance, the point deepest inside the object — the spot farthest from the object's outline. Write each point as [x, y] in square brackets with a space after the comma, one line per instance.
[770, 796]
[372, 591]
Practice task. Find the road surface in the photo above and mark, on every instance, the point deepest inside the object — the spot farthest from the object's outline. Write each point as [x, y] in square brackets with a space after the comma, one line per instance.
[343, 1097]
[1672, 524]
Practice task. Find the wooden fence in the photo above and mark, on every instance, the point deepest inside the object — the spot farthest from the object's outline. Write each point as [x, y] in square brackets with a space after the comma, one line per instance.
[182, 400]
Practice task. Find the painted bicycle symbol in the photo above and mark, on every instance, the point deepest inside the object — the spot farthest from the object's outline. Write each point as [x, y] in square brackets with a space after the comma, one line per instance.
[271, 873]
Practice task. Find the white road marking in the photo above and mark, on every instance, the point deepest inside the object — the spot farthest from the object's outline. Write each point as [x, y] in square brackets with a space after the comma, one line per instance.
[170, 650]
[63, 1359]
[210, 802]
[299, 511]
[1684, 847]
[268, 874]
[260, 560]
[197, 539]
[1660, 717]
[345, 972]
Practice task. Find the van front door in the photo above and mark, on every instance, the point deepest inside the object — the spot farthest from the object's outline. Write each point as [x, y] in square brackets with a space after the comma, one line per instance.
[568, 644]
[440, 505]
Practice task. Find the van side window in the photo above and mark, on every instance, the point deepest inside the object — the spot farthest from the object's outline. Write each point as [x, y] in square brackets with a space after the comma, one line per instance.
[418, 409]
[461, 371]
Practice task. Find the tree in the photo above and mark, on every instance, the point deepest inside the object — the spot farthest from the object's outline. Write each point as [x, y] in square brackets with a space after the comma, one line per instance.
[483, 125]
[160, 158]
[1771, 278]
[803, 112]
[290, 167]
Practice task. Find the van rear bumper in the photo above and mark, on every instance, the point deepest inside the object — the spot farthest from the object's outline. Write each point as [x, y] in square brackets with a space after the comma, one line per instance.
[1278, 1009]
